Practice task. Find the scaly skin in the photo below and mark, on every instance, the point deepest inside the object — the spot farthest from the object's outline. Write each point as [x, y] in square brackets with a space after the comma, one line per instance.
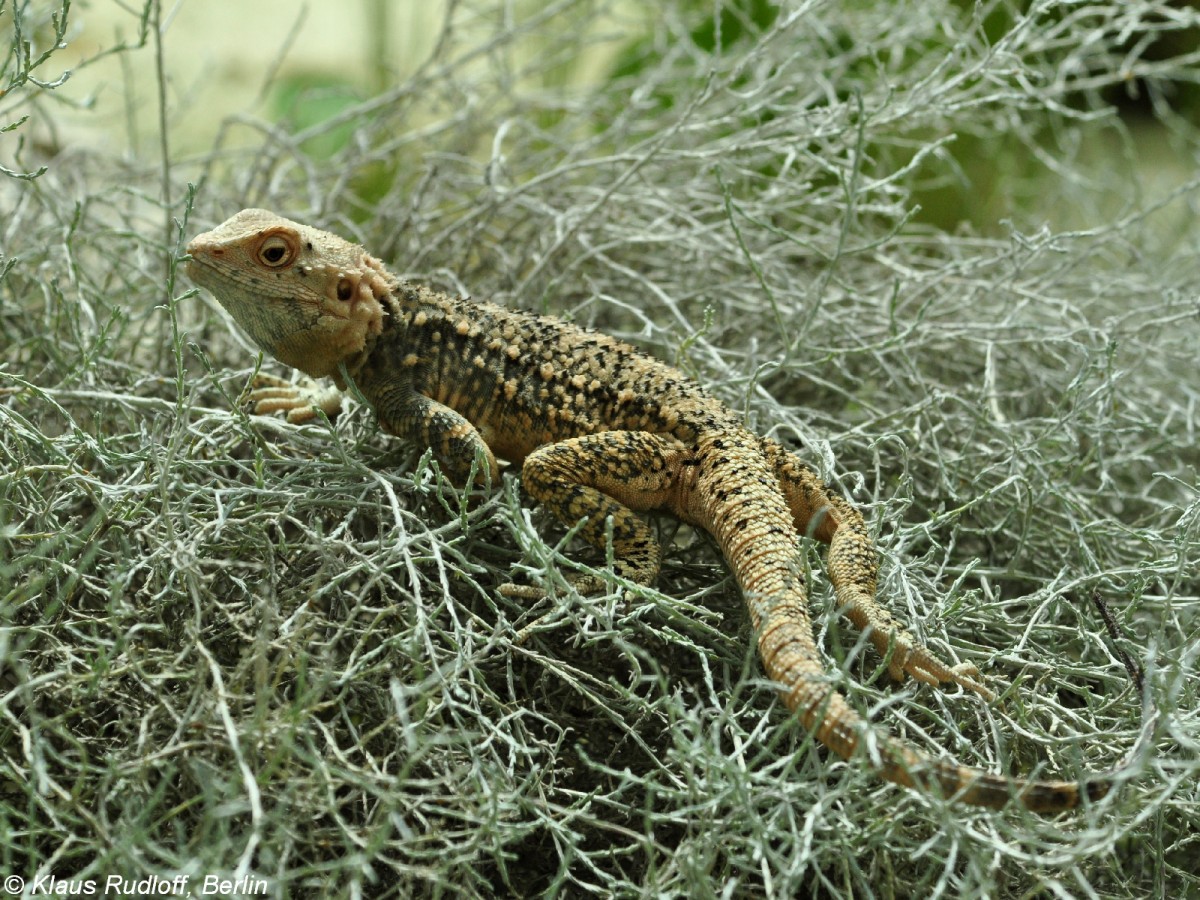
[601, 430]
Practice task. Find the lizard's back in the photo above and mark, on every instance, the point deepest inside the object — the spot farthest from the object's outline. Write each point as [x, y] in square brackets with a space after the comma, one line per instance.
[526, 380]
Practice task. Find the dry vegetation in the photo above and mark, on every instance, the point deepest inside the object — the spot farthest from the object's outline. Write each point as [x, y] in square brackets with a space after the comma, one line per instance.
[229, 645]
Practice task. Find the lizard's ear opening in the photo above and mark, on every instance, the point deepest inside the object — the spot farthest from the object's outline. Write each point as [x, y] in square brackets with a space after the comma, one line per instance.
[276, 250]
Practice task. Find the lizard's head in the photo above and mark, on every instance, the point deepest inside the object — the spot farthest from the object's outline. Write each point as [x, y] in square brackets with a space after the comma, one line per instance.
[307, 297]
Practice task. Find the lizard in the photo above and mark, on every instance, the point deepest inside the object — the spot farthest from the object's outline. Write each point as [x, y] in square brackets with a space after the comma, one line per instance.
[602, 432]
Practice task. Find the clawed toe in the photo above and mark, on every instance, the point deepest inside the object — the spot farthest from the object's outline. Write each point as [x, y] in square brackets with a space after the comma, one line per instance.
[521, 591]
[966, 675]
[583, 585]
[271, 394]
[918, 663]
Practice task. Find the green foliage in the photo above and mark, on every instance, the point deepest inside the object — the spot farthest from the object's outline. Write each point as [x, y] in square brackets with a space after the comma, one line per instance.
[314, 103]
[303, 100]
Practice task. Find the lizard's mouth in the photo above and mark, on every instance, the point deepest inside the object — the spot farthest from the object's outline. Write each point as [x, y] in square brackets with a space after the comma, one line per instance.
[196, 261]
[194, 264]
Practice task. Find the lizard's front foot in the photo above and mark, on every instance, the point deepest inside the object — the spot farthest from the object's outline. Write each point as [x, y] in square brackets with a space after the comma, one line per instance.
[908, 658]
[638, 572]
[584, 585]
[522, 591]
[300, 401]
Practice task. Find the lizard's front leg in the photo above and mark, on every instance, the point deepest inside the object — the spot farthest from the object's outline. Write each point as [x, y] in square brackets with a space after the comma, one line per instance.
[455, 442]
[853, 564]
[597, 476]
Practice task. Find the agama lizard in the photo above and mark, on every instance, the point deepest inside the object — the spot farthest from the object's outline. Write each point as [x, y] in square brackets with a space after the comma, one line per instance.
[602, 432]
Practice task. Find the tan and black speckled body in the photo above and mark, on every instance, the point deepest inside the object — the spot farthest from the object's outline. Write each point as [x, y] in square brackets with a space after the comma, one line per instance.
[601, 430]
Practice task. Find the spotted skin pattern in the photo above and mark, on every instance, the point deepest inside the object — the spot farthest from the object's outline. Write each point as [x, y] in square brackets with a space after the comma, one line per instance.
[603, 433]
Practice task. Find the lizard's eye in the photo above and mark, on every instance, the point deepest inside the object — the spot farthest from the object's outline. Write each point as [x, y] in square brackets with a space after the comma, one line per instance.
[276, 252]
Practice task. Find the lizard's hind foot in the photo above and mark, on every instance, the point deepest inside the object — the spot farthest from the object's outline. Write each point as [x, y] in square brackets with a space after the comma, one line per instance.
[917, 661]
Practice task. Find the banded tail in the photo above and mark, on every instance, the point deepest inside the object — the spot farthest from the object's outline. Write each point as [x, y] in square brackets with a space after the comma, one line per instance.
[755, 528]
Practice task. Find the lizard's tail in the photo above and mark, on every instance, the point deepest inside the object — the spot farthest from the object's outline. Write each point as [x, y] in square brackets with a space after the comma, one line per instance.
[750, 520]
[841, 729]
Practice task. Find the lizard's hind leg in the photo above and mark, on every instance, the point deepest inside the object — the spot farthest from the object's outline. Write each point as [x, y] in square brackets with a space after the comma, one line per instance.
[853, 566]
[611, 473]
